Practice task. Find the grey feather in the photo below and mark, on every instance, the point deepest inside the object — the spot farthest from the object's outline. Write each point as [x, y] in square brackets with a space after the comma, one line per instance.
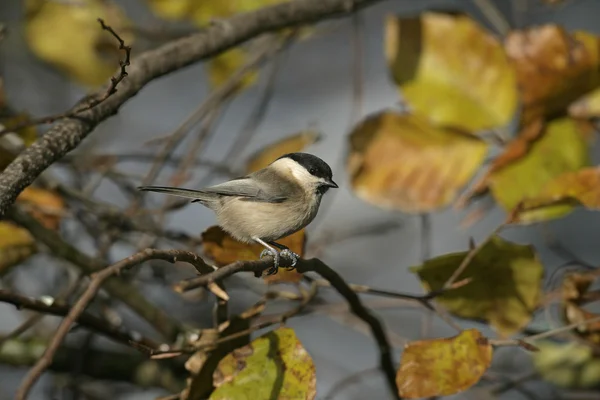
[243, 187]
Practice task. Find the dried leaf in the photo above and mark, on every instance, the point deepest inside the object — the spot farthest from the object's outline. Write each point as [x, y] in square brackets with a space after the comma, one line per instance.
[46, 206]
[224, 249]
[554, 68]
[442, 367]
[402, 162]
[530, 162]
[273, 151]
[451, 70]
[568, 365]
[505, 286]
[273, 366]
[67, 35]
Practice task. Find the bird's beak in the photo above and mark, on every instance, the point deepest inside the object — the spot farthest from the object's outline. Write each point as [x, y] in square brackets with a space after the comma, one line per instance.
[330, 183]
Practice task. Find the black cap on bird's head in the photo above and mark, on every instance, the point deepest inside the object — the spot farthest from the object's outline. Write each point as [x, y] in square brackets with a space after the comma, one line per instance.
[315, 166]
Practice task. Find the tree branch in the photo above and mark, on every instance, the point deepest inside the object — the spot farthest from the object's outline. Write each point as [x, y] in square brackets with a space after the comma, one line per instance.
[123, 291]
[67, 134]
[86, 320]
[334, 279]
[96, 282]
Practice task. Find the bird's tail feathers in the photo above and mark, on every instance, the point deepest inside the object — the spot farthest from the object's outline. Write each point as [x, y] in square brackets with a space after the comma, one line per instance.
[197, 195]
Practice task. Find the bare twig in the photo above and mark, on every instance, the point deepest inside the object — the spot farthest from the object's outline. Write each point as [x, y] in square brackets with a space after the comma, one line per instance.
[123, 291]
[87, 103]
[469, 257]
[86, 320]
[97, 279]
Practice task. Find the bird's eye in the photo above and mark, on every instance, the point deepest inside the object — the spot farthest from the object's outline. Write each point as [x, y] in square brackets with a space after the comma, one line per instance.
[312, 171]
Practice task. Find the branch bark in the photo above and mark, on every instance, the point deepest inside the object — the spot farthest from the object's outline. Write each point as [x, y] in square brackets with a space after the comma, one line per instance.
[66, 135]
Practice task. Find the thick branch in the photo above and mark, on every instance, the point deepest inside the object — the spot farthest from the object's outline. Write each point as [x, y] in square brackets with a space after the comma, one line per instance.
[67, 134]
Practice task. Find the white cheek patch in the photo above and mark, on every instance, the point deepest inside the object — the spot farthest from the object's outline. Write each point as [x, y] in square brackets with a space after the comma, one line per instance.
[297, 171]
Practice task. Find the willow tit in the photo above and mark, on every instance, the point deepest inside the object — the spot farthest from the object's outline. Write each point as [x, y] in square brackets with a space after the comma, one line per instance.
[268, 204]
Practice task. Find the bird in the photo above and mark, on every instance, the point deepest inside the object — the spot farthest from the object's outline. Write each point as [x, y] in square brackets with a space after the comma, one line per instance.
[266, 205]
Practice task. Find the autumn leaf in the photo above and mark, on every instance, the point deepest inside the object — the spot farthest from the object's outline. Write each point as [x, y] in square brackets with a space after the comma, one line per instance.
[45, 205]
[575, 293]
[505, 287]
[223, 249]
[274, 366]
[402, 162]
[273, 151]
[67, 35]
[16, 246]
[451, 70]
[568, 365]
[554, 68]
[442, 367]
[530, 162]
[221, 67]
[587, 106]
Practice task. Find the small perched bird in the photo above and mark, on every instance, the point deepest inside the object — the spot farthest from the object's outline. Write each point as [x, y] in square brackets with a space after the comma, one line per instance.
[268, 204]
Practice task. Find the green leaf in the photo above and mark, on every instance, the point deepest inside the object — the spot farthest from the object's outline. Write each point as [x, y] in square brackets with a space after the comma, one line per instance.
[274, 366]
[567, 365]
[505, 287]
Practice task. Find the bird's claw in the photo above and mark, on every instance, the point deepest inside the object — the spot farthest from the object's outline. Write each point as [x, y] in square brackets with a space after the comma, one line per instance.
[287, 253]
[275, 255]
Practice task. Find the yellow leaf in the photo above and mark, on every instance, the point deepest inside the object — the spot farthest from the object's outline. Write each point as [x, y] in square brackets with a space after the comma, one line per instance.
[442, 367]
[274, 366]
[505, 287]
[223, 249]
[451, 70]
[402, 162]
[16, 245]
[527, 166]
[568, 365]
[273, 151]
[553, 68]
[67, 35]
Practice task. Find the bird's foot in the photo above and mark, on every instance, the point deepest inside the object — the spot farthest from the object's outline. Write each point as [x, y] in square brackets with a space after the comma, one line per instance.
[287, 253]
[275, 255]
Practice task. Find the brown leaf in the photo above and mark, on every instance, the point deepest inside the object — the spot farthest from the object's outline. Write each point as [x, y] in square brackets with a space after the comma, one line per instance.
[442, 367]
[45, 205]
[224, 249]
[554, 68]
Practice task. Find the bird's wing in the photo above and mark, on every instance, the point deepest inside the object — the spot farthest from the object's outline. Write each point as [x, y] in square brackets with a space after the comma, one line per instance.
[244, 187]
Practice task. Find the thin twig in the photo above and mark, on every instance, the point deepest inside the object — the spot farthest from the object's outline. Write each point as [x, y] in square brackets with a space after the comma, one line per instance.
[87, 103]
[97, 279]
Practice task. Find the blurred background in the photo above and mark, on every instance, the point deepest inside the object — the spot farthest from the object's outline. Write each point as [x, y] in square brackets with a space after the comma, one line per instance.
[311, 86]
